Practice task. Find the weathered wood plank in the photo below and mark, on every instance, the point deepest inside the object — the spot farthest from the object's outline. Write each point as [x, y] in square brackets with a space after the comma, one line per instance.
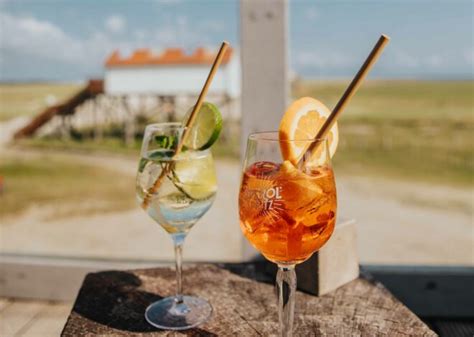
[114, 302]
[35, 277]
[37, 280]
[17, 315]
[49, 322]
[4, 302]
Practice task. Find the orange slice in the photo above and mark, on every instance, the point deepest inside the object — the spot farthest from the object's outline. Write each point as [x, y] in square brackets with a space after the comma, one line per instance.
[302, 121]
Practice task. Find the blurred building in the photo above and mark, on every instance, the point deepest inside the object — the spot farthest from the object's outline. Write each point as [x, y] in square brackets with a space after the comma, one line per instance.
[143, 86]
[170, 73]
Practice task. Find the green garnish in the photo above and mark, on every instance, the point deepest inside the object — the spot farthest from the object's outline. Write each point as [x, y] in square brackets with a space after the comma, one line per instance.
[166, 142]
[206, 127]
[142, 164]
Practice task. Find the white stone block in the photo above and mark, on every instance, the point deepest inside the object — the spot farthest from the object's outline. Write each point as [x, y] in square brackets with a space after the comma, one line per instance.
[334, 265]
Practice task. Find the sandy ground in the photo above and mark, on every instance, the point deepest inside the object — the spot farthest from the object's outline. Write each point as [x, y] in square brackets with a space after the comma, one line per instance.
[8, 128]
[129, 234]
[398, 223]
[401, 223]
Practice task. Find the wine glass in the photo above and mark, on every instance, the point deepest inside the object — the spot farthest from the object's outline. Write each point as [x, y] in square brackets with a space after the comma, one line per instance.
[287, 208]
[176, 190]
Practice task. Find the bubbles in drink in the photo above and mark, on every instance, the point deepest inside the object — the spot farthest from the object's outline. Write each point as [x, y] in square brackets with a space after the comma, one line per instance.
[185, 192]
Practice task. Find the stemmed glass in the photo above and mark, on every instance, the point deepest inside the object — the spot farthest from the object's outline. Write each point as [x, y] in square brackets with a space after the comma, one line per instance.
[176, 190]
[287, 208]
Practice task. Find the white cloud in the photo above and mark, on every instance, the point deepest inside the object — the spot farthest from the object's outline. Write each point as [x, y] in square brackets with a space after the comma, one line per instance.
[213, 26]
[328, 59]
[406, 60]
[140, 34]
[434, 60]
[38, 38]
[35, 37]
[182, 21]
[182, 33]
[115, 23]
[469, 56]
[166, 36]
[311, 13]
[168, 2]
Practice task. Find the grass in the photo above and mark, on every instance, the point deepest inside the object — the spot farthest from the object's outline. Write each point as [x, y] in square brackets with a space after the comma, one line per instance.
[29, 99]
[412, 130]
[228, 149]
[73, 187]
[227, 145]
[400, 100]
[106, 145]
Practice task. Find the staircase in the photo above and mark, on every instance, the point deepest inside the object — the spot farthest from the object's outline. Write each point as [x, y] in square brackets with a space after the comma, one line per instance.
[68, 107]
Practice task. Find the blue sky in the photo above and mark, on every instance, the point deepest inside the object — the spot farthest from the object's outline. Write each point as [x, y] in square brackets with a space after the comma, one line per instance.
[69, 40]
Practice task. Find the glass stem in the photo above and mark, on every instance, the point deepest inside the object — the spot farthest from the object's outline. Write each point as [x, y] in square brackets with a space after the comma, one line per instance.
[286, 283]
[178, 252]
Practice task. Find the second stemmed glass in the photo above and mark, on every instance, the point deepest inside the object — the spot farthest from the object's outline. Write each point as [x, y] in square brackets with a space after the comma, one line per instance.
[176, 190]
[287, 211]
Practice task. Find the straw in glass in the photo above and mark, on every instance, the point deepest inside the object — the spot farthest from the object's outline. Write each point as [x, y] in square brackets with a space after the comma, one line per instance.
[190, 121]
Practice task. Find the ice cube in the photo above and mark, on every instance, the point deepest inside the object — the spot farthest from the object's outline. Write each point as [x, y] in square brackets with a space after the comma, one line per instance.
[263, 169]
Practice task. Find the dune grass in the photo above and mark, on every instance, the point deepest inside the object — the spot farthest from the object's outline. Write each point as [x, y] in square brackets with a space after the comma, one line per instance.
[73, 187]
[106, 145]
[402, 100]
[30, 99]
[413, 130]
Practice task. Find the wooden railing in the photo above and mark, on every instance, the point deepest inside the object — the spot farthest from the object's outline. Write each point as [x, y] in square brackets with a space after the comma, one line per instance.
[92, 89]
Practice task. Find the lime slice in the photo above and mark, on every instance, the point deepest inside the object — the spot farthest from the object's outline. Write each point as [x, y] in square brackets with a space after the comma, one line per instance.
[205, 129]
[195, 175]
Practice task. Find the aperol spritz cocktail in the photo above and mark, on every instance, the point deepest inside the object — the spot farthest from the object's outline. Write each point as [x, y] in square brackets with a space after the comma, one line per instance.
[287, 207]
[286, 213]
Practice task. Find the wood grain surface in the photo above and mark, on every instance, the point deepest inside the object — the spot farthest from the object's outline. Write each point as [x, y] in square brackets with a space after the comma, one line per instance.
[114, 302]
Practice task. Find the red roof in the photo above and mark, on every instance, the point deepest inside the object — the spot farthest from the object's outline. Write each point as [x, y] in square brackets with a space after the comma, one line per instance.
[171, 56]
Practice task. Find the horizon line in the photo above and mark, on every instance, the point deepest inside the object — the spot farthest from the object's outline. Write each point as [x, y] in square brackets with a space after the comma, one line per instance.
[308, 78]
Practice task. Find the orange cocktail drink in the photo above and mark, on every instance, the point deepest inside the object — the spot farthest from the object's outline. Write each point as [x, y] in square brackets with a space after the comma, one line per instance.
[287, 199]
[287, 214]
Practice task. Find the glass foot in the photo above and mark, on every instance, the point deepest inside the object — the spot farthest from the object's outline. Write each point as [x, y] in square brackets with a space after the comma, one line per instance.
[170, 315]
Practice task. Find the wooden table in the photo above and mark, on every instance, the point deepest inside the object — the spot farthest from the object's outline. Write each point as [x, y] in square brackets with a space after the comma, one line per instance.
[244, 302]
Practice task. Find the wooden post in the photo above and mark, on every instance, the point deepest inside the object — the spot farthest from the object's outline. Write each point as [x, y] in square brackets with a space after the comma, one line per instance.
[169, 108]
[265, 93]
[265, 85]
[129, 132]
[65, 128]
[98, 127]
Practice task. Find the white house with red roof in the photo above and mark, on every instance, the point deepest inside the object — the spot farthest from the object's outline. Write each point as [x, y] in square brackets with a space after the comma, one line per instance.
[161, 86]
[170, 73]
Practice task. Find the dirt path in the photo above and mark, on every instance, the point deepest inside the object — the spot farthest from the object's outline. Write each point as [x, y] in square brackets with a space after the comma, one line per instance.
[127, 234]
[402, 223]
[9, 127]
[398, 223]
